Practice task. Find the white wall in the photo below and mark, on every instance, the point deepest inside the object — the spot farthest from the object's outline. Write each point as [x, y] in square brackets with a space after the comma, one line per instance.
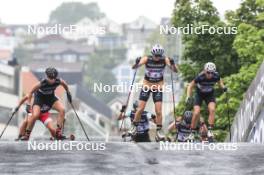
[7, 76]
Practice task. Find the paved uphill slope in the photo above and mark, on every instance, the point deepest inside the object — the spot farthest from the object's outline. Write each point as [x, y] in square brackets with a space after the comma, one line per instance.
[130, 158]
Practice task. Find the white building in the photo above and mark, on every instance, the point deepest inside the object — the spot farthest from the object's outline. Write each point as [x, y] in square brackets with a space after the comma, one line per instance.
[124, 74]
[90, 29]
[9, 83]
[138, 31]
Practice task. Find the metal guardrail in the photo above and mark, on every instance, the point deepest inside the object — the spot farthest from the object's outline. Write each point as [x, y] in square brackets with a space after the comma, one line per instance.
[249, 109]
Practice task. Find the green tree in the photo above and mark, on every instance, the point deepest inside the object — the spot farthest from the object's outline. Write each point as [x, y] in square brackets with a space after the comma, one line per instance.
[72, 12]
[206, 47]
[237, 56]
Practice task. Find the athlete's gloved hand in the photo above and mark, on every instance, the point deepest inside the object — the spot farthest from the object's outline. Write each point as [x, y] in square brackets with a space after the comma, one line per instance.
[136, 63]
[28, 108]
[225, 89]
[138, 60]
[69, 97]
[189, 100]
[123, 108]
[172, 62]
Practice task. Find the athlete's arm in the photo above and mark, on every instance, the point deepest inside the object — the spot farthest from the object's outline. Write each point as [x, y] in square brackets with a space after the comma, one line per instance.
[34, 89]
[64, 85]
[22, 101]
[122, 115]
[142, 61]
[172, 126]
[190, 88]
[221, 84]
[170, 62]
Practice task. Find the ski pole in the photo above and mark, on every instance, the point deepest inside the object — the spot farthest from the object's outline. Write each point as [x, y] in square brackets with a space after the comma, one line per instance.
[129, 93]
[12, 115]
[173, 98]
[79, 121]
[229, 122]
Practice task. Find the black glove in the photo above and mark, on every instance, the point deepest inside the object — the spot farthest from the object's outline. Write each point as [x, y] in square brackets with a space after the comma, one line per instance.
[172, 62]
[138, 60]
[69, 97]
[123, 108]
[28, 108]
[189, 100]
[225, 89]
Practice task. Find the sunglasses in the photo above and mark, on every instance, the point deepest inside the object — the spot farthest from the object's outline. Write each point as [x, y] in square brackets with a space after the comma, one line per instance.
[158, 55]
[209, 73]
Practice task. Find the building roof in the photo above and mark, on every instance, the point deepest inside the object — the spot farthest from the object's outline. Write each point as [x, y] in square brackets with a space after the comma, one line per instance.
[141, 23]
[5, 54]
[5, 31]
[69, 77]
[40, 66]
[72, 47]
[52, 38]
[84, 95]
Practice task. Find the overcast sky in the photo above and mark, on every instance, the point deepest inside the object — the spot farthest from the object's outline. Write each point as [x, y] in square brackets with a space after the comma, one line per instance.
[37, 11]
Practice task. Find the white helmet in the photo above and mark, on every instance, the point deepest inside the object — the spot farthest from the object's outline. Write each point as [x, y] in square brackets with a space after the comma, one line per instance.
[210, 67]
[157, 49]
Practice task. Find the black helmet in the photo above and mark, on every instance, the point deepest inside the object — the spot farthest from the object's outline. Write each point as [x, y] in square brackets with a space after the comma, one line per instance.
[135, 104]
[51, 72]
[187, 117]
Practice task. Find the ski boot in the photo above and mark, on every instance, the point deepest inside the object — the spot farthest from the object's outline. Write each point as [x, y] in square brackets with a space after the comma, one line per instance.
[210, 135]
[59, 135]
[160, 136]
[133, 129]
[18, 138]
[26, 136]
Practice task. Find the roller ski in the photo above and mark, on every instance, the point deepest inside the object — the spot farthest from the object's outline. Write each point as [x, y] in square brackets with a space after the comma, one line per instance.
[160, 136]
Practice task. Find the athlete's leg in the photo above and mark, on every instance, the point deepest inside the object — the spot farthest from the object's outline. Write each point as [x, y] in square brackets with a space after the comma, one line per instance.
[140, 109]
[23, 127]
[58, 106]
[143, 98]
[51, 128]
[31, 121]
[196, 114]
[158, 110]
[157, 99]
[196, 110]
[211, 109]
[34, 117]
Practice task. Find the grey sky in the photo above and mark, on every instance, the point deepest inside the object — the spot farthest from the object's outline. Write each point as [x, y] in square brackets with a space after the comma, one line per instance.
[37, 11]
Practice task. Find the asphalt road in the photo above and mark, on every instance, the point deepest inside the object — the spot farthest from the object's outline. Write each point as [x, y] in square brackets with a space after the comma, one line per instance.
[130, 158]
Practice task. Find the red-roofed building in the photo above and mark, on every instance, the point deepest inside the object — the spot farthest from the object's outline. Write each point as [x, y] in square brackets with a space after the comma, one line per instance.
[5, 55]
